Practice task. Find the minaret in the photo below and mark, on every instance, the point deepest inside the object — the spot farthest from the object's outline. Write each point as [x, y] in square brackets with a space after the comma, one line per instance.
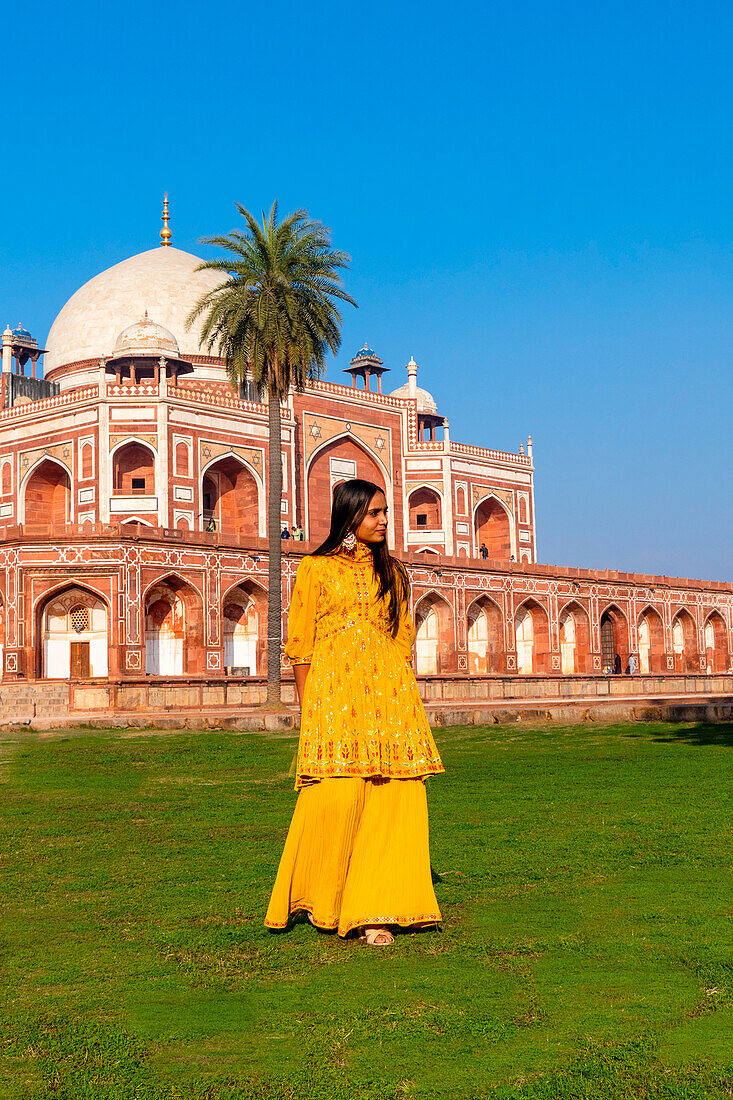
[7, 364]
[412, 378]
[7, 350]
[165, 233]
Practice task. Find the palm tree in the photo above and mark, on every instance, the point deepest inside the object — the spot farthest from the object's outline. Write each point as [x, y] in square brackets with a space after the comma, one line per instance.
[274, 318]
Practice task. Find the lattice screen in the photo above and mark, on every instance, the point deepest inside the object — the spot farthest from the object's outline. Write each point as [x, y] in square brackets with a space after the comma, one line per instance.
[79, 618]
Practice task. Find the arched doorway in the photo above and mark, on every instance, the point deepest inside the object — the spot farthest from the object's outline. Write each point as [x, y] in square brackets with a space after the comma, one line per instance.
[133, 470]
[230, 498]
[173, 629]
[425, 510]
[339, 460]
[244, 627]
[683, 643]
[614, 639]
[575, 652]
[74, 636]
[532, 638]
[716, 644]
[651, 642]
[47, 496]
[493, 528]
[567, 644]
[485, 637]
[433, 636]
[2, 638]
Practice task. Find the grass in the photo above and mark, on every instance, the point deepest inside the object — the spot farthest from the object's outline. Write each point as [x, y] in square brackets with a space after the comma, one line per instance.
[584, 875]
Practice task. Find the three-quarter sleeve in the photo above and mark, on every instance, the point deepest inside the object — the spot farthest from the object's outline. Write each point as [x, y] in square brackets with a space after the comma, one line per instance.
[405, 637]
[302, 615]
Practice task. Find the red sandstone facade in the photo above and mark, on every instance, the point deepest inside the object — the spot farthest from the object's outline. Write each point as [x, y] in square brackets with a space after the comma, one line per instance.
[133, 485]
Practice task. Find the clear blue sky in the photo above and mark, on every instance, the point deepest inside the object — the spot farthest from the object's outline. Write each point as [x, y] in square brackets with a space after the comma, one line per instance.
[537, 199]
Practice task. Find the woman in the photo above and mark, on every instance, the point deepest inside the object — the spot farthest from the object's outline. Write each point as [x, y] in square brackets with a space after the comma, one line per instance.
[356, 856]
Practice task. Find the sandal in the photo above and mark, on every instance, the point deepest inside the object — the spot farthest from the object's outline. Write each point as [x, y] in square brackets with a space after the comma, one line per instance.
[377, 937]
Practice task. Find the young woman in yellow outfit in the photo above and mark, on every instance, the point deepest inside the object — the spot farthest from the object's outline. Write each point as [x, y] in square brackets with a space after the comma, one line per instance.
[356, 855]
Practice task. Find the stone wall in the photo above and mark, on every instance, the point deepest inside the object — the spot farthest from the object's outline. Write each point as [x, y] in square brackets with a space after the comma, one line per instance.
[200, 701]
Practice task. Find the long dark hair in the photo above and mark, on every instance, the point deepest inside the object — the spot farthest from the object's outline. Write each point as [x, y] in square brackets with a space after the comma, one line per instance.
[350, 504]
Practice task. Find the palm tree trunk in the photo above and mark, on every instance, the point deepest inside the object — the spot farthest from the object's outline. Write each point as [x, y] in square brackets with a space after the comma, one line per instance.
[274, 596]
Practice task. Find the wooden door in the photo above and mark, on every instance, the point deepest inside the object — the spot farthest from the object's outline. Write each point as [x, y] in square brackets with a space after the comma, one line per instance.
[79, 660]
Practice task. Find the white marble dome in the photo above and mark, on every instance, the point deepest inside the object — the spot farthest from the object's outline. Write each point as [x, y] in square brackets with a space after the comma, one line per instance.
[148, 339]
[163, 282]
[425, 400]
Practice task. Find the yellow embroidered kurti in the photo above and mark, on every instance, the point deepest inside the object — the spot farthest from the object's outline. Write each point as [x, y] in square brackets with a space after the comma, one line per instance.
[361, 714]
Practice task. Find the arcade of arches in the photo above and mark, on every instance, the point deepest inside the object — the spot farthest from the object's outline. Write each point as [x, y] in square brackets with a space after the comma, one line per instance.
[74, 636]
[458, 632]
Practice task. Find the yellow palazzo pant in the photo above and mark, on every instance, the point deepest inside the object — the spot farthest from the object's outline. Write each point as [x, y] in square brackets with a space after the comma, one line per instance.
[357, 854]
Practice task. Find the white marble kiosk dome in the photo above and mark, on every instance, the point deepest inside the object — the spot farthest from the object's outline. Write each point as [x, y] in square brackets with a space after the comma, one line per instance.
[162, 282]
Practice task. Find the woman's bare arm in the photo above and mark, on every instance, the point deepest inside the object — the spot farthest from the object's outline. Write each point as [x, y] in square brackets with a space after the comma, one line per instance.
[301, 675]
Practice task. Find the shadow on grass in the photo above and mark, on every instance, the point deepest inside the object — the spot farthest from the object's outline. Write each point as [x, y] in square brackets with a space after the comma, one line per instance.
[701, 733]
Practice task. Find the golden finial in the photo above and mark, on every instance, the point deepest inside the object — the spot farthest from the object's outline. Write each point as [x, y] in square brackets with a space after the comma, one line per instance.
[165, 233]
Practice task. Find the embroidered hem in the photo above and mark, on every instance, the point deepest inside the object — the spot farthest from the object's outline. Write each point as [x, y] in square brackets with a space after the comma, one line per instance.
[330, 770]
[401, 921]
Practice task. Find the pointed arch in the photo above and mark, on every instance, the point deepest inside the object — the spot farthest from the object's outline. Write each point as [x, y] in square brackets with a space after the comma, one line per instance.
[684, 642]
[87, 461]
[244, 627]
[493, 524]
[318, 481]
[174, 636]
[182, 454]
[176, 580]
[485, 634]
[7, 477]
[575, 643]
[351, 438]
[133, 463]
[715, 636]
[532, 637]
[137, 439]
[45, 498]
[434, 635]
[425, 508]
[614, 630]
[232, 496]
[650, 634]
[72, 623]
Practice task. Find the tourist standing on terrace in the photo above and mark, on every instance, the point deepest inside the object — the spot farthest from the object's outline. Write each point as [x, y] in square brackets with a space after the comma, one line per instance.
[356, 856]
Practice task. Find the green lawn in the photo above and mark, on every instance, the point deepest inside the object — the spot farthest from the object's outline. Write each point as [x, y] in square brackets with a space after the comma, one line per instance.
[587, 951]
